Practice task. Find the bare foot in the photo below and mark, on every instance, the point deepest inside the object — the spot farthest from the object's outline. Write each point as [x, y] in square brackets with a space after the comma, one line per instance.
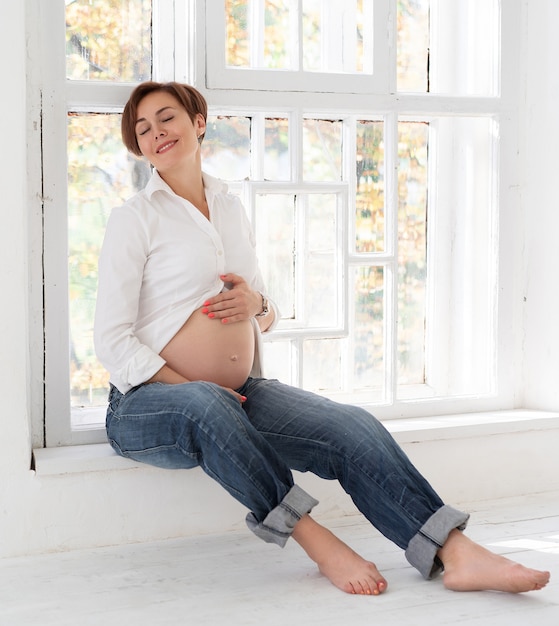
[343, 567]
[470, 567]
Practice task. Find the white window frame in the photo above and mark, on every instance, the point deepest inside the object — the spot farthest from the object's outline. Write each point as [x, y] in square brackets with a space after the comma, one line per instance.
[181, 27]
[375, 79]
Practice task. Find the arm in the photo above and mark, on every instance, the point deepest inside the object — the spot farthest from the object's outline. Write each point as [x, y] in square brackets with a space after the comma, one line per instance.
[121, 266]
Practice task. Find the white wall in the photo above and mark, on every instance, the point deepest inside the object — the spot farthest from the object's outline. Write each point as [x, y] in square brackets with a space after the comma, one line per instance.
[541, 207]
[39, 513]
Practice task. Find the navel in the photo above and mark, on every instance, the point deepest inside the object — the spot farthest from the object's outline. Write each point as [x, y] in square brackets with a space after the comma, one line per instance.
[233, 357]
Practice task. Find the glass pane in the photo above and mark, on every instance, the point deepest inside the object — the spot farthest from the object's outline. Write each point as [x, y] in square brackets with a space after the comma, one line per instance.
[322, 364]
[337, 36]
[108, 40]
[413, 45]
[449, 47]
[279, 35]
[465, 47]
[237, 33]
[264, 34]
[322, 150]
[260, 34]
[412, 250]
[367, 342]
[226, 147]
[278, 361]
[369, 200]
[277, 165]
[320, 273]
[275, 242]
[101, 174]
[463, 215]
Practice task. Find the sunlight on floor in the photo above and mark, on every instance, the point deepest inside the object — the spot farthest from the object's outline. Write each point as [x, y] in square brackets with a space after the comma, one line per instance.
[537, 545]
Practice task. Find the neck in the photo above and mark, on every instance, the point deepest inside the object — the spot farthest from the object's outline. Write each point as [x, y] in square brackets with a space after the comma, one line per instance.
[188, 184]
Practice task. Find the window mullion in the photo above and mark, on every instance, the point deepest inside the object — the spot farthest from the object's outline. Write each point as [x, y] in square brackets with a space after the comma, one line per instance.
[348, 240]
[257, 146]
[391, 268]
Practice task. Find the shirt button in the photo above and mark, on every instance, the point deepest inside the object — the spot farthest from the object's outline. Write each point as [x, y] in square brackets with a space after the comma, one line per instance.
[219, 252]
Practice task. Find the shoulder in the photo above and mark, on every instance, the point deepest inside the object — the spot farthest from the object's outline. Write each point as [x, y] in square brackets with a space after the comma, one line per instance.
[214, 185]
[222, 200]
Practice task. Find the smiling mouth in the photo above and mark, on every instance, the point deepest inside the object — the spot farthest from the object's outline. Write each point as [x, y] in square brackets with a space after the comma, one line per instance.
[166, 146]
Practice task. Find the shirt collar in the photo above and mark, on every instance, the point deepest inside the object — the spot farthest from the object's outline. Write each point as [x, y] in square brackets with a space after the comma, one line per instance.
[156, 183]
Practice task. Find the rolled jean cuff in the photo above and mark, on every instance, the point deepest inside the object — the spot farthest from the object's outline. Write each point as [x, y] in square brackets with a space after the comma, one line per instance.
[423, 547]
[280, 521]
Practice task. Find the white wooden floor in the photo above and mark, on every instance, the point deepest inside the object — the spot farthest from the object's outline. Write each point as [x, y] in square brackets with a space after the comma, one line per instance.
[235, 579]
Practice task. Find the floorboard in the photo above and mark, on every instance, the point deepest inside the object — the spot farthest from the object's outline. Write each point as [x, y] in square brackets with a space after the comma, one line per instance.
[235, 579]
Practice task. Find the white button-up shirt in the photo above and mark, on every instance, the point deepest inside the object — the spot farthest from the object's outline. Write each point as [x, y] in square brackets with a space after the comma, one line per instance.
[161, 259]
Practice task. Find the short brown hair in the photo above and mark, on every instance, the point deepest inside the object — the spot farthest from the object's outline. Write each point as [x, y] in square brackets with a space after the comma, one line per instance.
[191, 100]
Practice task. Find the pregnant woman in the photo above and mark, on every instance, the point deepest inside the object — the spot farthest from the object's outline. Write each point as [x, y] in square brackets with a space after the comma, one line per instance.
[180, 311]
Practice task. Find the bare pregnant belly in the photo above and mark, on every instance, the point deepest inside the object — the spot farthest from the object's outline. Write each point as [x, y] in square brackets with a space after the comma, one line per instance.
[206, 349]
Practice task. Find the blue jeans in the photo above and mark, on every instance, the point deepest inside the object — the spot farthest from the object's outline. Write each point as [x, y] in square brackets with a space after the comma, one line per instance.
[250, 450]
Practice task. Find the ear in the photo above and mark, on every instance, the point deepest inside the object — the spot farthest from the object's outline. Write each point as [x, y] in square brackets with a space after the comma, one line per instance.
[200, 124]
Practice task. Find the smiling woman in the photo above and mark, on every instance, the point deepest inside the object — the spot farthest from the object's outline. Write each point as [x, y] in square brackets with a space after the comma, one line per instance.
[179, 314]
[210, 336]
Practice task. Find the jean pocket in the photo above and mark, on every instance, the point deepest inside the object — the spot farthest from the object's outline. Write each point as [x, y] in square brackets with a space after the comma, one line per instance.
[114, 400]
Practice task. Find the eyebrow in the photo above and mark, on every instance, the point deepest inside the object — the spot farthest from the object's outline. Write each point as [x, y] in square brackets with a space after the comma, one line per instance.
[143, 119]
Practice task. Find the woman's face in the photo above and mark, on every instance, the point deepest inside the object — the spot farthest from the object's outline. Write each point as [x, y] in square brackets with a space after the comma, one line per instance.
[166, 135]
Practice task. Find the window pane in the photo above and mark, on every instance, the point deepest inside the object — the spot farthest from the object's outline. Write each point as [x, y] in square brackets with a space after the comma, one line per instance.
[322, 150]
[412, 250]
[322, 364]
[413, 45]
[278, 361]
[297, 247]
[369, 200]
[337, 36]
[226, 147]
[264, 34]
[465, 47]
[320, 271]
[367, 342]
[448, 47]
[101, 174]
[275, 241]
[108, 40]
[277, 165]
[462, 257]
[238, 34]
[279, 35]
[260, 34]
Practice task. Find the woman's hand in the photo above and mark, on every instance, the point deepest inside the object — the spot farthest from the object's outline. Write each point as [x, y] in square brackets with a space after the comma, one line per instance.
[237, 304]
[236, 395]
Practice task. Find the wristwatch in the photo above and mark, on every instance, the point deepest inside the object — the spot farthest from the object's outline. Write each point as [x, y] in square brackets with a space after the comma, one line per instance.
[265, 309]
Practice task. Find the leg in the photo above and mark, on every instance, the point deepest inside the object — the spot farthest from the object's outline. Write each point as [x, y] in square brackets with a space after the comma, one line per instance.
[343, 442]
[183, 426]
[346, 443]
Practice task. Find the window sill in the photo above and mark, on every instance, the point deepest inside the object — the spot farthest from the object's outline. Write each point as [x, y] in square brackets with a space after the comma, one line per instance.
[101, 457]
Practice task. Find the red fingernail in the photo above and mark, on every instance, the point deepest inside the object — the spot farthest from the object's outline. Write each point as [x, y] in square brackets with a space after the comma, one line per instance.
[211, 315]
[207, 303]
[204, 310]
[243, 398]
[224, 320]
